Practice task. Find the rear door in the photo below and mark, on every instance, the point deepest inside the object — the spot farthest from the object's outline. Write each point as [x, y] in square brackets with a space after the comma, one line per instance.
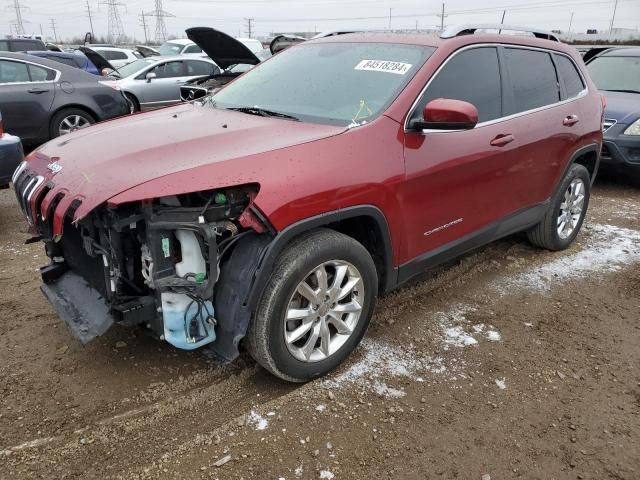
[461, 181]
[548, 127]
[26, 94]
[164, 89]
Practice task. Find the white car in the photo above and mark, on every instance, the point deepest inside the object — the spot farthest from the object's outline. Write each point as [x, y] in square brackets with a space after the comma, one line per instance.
[118, 57]
[180, 46]
[252, 44]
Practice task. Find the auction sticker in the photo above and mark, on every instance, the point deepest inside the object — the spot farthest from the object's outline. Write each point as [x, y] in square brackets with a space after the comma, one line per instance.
[398, 68]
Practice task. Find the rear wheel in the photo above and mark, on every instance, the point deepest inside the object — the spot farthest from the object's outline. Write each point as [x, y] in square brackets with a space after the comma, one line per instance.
[69, 120]
[563, 221]
[315, 308]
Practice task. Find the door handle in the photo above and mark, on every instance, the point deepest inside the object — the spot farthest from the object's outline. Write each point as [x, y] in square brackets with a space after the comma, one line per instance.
[570, 120]
[502, 139]
[37, 90]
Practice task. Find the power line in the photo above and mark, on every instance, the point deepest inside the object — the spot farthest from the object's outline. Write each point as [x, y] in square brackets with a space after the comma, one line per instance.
[114, 24]
[161, 28]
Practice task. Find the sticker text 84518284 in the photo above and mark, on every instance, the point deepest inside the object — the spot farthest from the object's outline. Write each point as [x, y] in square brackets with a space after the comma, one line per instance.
[399, 68]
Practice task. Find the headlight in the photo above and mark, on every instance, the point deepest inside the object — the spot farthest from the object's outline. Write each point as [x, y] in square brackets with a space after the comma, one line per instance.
[633, 129]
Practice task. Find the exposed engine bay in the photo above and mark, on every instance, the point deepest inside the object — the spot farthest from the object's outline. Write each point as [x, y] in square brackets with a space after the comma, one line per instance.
[153, 264]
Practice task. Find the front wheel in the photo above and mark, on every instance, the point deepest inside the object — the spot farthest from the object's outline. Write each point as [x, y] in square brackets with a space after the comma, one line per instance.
[315, 307]
[561, 224]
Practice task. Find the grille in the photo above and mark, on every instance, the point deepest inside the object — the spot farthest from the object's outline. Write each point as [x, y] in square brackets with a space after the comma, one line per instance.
[26, 183]
[608, 123]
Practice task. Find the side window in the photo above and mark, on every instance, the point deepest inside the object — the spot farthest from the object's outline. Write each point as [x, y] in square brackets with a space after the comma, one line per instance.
[112, 54]
[572, 80]
[11, 72]
[473, 76]
[195, 67]
[41, 74]
[533, 79]
[168, 70]
[4, 46]
[193, 49]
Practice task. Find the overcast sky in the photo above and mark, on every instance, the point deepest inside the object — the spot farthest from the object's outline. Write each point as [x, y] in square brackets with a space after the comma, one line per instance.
[318, 15]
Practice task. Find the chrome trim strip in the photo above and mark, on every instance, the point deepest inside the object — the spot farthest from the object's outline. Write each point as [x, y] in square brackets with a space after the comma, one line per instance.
[39, 179]
[501, 119]
[608, 123]
[18, 171]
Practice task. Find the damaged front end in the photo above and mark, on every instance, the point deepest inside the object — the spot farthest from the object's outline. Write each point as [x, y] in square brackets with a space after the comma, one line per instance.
[155, 263]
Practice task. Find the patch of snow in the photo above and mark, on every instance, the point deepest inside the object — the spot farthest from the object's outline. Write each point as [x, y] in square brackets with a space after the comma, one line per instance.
[501, 384]
[326, 475]
[609, 249]
[321, 408]
[383, 389]
[527, 324]
[299, 471]
[257, 421]
[379, 360]
[493, 336]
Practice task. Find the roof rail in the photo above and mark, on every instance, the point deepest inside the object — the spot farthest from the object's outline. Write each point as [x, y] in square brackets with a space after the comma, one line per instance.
[459, 30]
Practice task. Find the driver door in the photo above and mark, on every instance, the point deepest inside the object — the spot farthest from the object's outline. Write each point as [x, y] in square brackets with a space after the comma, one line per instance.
[164, 89]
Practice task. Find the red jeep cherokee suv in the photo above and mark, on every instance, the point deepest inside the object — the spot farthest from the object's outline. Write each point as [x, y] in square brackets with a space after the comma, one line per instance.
[278, 209]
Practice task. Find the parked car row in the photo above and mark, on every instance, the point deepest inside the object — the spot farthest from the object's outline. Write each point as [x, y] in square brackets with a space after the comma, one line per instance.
[274, 215]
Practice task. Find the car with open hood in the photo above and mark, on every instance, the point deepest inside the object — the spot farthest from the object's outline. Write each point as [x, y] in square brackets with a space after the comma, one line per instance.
[274, 215]
[616, 72]
[232, 55]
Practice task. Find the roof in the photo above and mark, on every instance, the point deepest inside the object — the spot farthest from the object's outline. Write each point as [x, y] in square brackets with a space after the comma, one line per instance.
[621, 52]
[180, 41]
[109, 49]
[32, 58]
[51, 53]
[434, 40]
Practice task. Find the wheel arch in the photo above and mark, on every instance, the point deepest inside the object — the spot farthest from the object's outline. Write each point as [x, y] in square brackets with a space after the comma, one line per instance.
[587, 156]
[244, 276]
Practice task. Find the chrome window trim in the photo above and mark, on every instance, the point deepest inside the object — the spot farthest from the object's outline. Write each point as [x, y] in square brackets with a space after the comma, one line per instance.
[583, 93]
[57, 77]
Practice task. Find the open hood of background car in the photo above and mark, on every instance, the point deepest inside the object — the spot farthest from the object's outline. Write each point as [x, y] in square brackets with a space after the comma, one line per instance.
[220, 47]
[98, 60]
[147, 51]
[281, 42]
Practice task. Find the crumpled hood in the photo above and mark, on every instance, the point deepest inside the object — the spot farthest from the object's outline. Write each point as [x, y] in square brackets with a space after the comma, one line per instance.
[91, 166]
[622, 107]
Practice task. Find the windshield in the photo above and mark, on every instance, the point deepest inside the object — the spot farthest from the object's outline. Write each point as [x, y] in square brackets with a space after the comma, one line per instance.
[336, 83]
[616, 73]
[133, 67]
[170, 49]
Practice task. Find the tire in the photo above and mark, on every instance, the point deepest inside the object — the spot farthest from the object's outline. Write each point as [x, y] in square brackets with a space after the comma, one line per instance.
[547, 233]
[333, 252]
[134, 105]
[73, 118]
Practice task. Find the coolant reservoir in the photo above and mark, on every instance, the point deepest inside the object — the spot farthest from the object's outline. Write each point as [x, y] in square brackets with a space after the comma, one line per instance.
[186, 323]
[192, 263]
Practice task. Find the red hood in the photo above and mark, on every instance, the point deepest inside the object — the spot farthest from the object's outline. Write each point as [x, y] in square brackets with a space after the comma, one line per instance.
[100, 162]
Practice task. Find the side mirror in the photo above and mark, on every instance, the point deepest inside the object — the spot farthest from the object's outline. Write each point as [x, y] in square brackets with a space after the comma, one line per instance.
[447, 114]
[150, 76]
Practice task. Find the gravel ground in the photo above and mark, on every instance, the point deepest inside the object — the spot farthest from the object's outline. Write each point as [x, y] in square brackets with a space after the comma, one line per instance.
[511, 362]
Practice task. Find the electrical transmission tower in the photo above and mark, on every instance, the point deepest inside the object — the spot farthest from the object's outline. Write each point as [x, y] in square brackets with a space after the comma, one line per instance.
[115, 28]
[161, 28]
[19, 21]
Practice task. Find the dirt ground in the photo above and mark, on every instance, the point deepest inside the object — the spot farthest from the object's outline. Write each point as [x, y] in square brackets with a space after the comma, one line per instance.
[512, 362]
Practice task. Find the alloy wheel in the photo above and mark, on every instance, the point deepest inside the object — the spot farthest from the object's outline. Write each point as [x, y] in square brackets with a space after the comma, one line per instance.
[72, 123]
[323, 311]
[571, 208]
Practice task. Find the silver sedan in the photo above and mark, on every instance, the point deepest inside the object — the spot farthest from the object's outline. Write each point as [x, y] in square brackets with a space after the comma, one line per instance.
[155, 81]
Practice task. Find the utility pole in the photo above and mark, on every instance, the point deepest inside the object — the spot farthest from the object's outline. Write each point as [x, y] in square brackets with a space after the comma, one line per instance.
[53, 27]
[442, 17]
[90, 19]
[613, 18]
[389, 19]
[144, 26]
[570, 25]
[114, 25]
[41, 32]
[249, 27]
[504, 12]
[161, 27]
[19, 21]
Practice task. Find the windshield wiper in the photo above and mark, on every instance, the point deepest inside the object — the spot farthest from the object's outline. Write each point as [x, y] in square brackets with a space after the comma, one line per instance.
[263, 112]
[624, 91]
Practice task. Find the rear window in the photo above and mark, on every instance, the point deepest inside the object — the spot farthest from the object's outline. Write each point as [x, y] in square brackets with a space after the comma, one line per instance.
[533, 79]
[112, 54]
[568, 72]
[27, 45]
[481, 88]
